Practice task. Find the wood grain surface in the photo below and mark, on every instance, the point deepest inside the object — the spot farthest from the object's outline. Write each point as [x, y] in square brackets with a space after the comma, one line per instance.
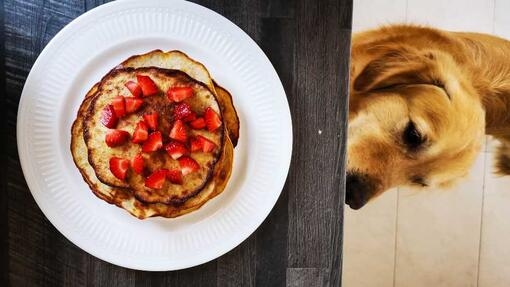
[299, 244]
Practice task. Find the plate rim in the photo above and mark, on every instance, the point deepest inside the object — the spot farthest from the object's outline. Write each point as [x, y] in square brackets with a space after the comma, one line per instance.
[26, 163]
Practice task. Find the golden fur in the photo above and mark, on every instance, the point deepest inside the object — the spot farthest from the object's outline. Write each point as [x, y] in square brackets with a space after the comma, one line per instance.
[453, 87]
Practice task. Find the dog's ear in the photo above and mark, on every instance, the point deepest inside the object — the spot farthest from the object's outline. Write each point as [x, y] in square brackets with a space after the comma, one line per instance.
[398, 67]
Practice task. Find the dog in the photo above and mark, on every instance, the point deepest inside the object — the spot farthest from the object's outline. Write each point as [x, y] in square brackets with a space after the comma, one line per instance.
[420, 101]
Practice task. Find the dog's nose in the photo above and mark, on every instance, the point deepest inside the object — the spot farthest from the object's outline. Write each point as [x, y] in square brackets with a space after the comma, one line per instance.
[358, 190]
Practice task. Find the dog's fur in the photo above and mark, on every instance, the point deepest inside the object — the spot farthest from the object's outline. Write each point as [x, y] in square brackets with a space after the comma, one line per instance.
[446, 89]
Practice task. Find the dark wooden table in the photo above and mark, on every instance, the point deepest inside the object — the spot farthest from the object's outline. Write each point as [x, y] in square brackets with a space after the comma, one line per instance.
[299, 244]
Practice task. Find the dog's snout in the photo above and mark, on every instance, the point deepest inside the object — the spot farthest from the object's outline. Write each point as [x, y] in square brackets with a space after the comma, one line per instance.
[359, 189]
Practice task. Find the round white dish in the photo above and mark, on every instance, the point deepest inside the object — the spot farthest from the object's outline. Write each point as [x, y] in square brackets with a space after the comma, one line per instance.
[85, 50]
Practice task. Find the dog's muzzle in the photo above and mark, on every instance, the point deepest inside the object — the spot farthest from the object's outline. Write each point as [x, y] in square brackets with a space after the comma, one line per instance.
[359, 188]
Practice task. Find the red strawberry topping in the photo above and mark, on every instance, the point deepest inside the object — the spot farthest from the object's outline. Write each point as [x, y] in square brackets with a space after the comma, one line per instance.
[190, 117]
[176, 149]
[134, 88]
[178, 131]
[147, 85]
[156, 179]
[133, 104]
[182, 111]
[207, 145]
[212, 119]
[108, 117]
[119, 167]
[195, 144]
[179, 94]
[137, 163]
[198, 124]
[153, 143]
[119, 106]
[188, 165]
[174, 176]
[115, 138]
[151, 120]
[141, 132]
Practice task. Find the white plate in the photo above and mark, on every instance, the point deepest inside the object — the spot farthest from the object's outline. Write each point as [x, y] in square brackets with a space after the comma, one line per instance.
[77, 57]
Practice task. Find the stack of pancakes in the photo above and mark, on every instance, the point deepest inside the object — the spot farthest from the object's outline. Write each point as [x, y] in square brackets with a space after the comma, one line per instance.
[131, 191]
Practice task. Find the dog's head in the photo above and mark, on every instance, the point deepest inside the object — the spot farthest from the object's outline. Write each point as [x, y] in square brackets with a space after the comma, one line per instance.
[414, 119]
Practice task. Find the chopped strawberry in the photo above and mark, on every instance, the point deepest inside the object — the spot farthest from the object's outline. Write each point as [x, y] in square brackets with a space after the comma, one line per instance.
[115, 138]
[133, 104]
[156, 179]
[141, 132]
[188, 165]
[119, 106]
[108, 117]
[153, 143]
[174, 176]
[137, 163]
[182, 110]
[176, 149]
[198, 124]
[151, 120]
[178, 131]
[195, 145]
[207, 145]
[179, 94]
[212, 119]
[119, 167]
[134, 88]
[190, 117]
[147, 85]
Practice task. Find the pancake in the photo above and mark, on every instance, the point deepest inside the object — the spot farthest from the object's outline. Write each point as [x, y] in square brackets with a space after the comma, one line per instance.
[124, 197]
[180, 61]
[100, 154]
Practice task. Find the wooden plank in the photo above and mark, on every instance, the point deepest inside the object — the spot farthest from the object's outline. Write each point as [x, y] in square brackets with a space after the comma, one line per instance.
[318, 102]
[4, 236]
[307, 277]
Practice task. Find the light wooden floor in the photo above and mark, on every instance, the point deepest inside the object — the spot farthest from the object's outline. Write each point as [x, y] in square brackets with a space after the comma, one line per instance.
[459, 237]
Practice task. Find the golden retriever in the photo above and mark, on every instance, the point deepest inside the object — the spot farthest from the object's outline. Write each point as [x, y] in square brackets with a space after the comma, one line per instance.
[421, 100]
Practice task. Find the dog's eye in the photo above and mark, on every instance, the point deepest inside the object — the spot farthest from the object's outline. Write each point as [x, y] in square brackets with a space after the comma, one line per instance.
[412, 137]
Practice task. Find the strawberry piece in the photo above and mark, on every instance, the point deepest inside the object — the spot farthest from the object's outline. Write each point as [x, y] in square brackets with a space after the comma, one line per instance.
[115, 138]
[182, 110]
[119, 106]
[190, 117]
[188, 165]
[176, 149]
[119, 167]
[174, 176]
[212, 119]
[151, 120]
[137, 163]
[134, 88]
[179, 94]
[147, 85]
[195, 145]
[178, 131]
[141, 132]
[198, 124]
[156, 179]
[153, 143]
[108, 117]
[207, 145]
[133, 104]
